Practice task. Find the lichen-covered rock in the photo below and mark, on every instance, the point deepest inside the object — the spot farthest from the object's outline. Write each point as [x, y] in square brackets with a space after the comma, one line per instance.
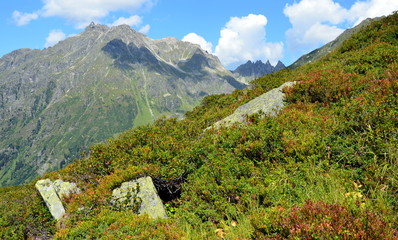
[144, 190]
[50, 197]
[65, 188]
[52, 193]
[269, 103]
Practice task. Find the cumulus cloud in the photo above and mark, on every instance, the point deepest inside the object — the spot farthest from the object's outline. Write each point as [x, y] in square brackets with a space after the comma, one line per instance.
[316, 22]
[54, 37]
[22, 19]
[244, 39]
[196, 39]
[145, 29]
[370, 9]
[82, 12]
[313, 22]
[131, 21]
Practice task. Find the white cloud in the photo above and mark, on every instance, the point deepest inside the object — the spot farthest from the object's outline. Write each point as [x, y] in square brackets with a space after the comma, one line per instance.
[321, 33]
[370, 9]
[244, 39]
[23, 18]
[196, 39]
[316, 22]
[313, 22]
[145, 29]
[131, 21]
[54, 37]
[82, 12]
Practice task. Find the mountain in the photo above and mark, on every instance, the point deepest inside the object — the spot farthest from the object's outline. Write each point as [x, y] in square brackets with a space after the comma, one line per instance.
[324, 166]
[252, 70]
[329, 47]
[56, 102]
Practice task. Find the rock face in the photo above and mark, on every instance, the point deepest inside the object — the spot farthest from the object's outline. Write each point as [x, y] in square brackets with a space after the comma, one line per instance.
[252, 70]
[53, 192]
[269, 103]
[91, 86]
[144, 192]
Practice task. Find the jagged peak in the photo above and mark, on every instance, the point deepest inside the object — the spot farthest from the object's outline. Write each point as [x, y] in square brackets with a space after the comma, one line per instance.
[94, 26]
[279, 63]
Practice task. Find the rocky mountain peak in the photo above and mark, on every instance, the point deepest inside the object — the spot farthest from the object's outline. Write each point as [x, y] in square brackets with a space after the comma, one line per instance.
[252, 70]
[96, 27]
[279, 66]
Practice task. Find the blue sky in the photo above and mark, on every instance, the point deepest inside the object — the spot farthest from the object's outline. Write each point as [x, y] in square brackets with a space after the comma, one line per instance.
[233, 30]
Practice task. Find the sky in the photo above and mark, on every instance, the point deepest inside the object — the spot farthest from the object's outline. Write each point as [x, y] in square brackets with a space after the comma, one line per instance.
[234, 30]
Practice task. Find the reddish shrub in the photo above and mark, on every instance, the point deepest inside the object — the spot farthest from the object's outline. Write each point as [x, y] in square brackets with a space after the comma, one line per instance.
[318, 220]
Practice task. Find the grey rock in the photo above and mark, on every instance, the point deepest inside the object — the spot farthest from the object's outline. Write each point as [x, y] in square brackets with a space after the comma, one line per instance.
[269, 103]
[151, 203]
[53, 192]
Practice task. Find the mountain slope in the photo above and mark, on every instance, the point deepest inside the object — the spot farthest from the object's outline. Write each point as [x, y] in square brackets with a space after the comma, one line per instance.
[252, 70]
[325, 167]
[329, 47]
[58, 101]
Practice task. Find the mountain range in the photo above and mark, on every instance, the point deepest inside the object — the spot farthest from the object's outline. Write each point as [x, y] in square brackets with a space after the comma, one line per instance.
[56, 102]
[252, 70]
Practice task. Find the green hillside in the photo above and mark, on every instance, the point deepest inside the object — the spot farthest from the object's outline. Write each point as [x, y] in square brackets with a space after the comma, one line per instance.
[60, 100]
[325, 168]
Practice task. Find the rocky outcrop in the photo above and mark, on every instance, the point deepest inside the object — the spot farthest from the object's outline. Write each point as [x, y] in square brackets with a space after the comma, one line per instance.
[270, 103]
[53, 192]
[141, 192]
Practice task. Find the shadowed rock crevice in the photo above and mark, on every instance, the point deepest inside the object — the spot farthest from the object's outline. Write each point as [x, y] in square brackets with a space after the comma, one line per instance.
[169, 189]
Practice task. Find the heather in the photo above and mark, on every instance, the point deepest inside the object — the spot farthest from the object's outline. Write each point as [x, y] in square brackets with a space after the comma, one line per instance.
[325, 168]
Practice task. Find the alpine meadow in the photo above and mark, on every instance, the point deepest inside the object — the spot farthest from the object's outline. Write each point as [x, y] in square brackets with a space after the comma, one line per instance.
[324, 167]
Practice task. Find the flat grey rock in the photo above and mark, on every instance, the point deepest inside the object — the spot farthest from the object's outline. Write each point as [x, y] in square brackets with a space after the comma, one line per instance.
[269, 103]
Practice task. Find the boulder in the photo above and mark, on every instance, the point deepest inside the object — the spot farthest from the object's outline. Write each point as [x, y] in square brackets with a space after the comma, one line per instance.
[53, 192]
[269, 103]
[142, 192]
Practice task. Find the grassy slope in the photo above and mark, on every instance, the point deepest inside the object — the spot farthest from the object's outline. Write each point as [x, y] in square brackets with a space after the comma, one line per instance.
[326, 167]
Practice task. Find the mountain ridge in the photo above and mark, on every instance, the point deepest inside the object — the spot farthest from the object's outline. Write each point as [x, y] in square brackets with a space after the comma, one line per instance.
[332, 45]
[252, 70]
[58, 101]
